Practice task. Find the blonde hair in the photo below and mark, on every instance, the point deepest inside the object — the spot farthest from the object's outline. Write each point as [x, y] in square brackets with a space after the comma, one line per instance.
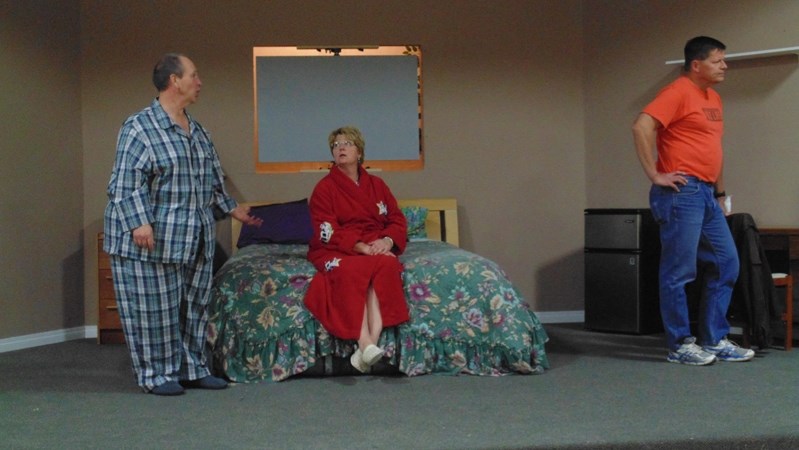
[351, 133]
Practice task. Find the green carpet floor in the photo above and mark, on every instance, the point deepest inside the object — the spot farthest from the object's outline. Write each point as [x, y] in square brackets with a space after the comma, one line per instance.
[603, 391]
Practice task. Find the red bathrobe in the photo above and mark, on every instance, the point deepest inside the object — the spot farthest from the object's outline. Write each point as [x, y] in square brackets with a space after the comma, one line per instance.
[342, 214]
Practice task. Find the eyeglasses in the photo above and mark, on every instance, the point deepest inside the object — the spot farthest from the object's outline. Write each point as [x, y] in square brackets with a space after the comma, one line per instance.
[338, 144]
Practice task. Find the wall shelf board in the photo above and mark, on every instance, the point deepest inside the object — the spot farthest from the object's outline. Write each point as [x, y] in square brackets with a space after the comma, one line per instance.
[751, 55]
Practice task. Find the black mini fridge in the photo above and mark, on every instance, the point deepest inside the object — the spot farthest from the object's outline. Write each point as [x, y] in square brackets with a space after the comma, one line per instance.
[622, 251]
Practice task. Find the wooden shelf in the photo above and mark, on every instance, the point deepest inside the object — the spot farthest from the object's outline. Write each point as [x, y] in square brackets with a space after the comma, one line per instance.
[109, 325]
[750, 55]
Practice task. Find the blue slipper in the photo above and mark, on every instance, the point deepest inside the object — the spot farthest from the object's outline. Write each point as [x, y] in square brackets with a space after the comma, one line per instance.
[168, 388]
[208, 382]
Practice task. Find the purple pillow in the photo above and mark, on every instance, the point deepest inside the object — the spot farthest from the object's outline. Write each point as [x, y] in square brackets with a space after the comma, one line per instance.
[284, 223]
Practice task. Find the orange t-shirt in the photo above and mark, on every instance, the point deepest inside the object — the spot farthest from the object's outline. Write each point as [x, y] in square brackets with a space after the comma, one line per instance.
[690, 140]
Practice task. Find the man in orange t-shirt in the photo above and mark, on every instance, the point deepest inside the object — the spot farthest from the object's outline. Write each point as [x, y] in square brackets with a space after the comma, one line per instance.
[684, 123]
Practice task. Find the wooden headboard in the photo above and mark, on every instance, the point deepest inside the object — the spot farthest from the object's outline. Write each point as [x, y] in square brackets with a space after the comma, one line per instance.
[441, 224]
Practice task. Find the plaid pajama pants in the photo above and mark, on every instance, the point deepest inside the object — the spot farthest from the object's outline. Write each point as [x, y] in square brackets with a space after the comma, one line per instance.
[164, 319]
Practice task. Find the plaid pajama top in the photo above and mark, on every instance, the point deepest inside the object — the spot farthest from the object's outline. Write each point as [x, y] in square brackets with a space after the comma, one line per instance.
[169, 179]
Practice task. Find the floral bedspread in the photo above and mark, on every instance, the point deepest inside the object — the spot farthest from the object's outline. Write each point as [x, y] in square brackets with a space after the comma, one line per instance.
[466, 317]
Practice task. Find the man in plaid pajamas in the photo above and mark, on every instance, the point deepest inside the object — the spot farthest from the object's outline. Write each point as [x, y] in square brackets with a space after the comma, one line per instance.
[160, 232]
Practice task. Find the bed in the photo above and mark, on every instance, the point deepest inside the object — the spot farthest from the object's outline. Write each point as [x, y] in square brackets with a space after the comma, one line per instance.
[466, 316]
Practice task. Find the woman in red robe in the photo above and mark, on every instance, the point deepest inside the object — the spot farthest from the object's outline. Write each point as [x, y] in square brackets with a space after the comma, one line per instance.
[359, 231]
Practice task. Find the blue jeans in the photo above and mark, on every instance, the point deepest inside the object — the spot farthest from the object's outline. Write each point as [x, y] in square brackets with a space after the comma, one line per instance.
[693, 230]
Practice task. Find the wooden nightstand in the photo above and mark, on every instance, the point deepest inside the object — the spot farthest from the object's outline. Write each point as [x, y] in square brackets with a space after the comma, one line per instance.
[109, 327]
[782, 250]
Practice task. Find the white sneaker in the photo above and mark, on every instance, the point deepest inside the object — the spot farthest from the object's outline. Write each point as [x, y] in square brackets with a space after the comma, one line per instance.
[729, 351]
[691, 354]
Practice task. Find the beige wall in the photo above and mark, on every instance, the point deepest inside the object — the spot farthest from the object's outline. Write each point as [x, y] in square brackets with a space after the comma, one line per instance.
[41, 211]
[528, 106]
[627, 45]
[500, 109]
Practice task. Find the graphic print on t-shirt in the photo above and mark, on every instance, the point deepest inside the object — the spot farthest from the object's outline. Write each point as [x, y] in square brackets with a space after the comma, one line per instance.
[713, 114]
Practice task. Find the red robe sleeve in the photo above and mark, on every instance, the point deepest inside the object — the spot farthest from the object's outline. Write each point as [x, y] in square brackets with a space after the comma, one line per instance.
[328, 230]
[396, 224]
